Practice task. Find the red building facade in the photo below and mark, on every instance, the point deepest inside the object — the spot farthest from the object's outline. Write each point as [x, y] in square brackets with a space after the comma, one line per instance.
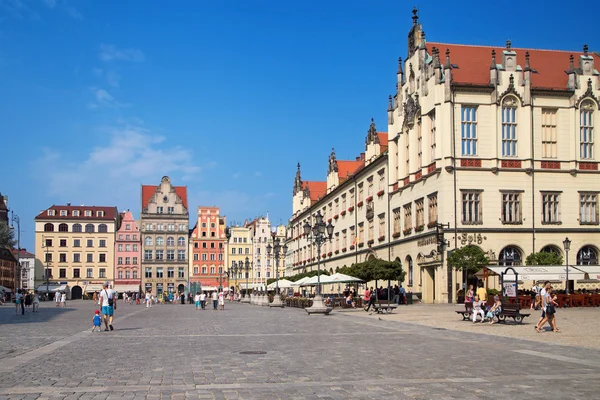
[208, 242]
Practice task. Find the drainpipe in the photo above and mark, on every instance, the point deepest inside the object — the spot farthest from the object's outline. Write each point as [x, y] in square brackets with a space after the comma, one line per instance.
[532, 179]
[452, 105]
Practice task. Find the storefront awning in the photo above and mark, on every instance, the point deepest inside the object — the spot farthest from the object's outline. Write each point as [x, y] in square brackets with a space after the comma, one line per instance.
[94, 287]
[592, 271]
[5, 289]
[51, 288]
[539, 272]
[127, 288]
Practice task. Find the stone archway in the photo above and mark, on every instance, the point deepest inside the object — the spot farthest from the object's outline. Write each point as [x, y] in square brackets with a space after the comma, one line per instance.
[76, 293]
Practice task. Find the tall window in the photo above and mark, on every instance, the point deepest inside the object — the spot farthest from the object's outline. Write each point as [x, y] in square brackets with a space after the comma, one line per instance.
[77, 228]
[89, 228]
[89, 273]
[549, 133]
[397, 219]
[471, 207]
[432, 198]
[148, 272]
[170, 241]
[148, 241]
[407, 151]
[419, 146]
[371, 230]
[432, 142]
[509, 127]
[409, 262]
[550, 208]
[408, 222]
[102, 228]
[420, 208]
[468, 130]
[160, 241]
[588, 208]
[511, 208]
[63, 228]
[586, 133]
[381, 225]
[147, 254]
[181, 241]
[361, 232]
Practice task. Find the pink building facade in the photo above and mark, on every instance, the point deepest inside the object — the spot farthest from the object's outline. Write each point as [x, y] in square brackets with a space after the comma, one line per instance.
[128, 277]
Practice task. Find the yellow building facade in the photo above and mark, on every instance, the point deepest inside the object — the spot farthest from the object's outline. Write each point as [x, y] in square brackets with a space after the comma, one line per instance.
[75, 248]
[495, 143]
[239, 248]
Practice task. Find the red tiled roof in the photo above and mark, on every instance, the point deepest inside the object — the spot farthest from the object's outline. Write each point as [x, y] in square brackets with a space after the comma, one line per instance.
[474, 64]
[383, 140]
[346, 168]
[110, 213]
[316, 188]
[148, 192]
[23, 253]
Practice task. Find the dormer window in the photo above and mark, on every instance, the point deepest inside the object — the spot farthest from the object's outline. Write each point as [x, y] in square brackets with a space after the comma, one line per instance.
[63, 213]
[76, 213]
[100, 214]
[51, 213]
[87, 213]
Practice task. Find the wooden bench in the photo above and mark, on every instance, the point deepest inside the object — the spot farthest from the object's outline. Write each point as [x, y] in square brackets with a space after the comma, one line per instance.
[511, 311]
[384, 305]
[467, 312]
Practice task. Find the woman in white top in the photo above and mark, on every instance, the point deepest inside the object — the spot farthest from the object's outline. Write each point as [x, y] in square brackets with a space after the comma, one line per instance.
[148, 300]
[57, 296]
[63, 299]
[221, 301]
[36, 301]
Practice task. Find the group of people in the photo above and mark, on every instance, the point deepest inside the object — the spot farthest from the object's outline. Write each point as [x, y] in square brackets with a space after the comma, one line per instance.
[26, 301]
[546, 300]
[218, 300]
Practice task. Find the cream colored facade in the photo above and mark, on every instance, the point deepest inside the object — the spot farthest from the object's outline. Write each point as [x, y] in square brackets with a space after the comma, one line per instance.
[239, 248]
[76, 244]
[504, 154]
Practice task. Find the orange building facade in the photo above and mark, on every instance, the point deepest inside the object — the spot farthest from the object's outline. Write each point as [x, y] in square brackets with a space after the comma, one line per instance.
[208, 247]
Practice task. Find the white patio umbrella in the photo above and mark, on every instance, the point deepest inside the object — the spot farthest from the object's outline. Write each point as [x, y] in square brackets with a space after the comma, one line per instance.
[283, 284]
[342, 278]
[325, 279]
[301, 281]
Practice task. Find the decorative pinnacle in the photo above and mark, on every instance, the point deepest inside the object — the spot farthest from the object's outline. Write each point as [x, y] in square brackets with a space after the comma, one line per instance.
[571, 64]
[512, 80]
[415, 16]
[390, 102]
[493, 66]
[527, 60]
[399, 65]
[508, 44]
[585, 49]
[448, 65]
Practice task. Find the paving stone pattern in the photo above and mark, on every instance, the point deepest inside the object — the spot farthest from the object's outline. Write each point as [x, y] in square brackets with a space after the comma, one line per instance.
[173, 351]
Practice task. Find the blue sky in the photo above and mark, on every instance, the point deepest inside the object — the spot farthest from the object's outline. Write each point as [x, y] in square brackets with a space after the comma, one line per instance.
[99, 97]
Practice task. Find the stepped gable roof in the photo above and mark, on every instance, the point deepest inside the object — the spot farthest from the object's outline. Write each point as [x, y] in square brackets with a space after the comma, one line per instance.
[148, 192]
[316, 188]
[474, 64]
[110, 213]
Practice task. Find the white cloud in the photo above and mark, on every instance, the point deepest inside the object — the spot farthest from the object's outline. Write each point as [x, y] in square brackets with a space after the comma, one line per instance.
[103, 99]
[112, 173]
[109, 52]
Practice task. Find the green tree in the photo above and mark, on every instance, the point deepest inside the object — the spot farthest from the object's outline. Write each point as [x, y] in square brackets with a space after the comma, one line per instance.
[297, 277]
[376, 269]
[7, 236]
[544, 258]
[469, 258]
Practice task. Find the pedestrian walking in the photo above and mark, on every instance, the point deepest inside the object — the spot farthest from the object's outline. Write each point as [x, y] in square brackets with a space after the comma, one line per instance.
[203, 300]
[28, 301]
[370, 298]
[63, 299]
[19, 302]
[197, 300]
[215, 300]
[97, 321]
[221, 301]
[148, 299]
[109, 304]
[36, 301]
[57, 295]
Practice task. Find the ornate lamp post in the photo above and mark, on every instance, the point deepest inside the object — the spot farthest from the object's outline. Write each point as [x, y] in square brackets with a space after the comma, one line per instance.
[277, 250]
[319, 233]
[567, 245]
[246, 298]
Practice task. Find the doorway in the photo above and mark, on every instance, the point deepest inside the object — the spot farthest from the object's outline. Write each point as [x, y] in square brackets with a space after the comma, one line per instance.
[76, 293]
[428, 284]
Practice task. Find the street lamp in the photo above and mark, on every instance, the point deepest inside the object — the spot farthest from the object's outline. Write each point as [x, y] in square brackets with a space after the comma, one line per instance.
[319, 233]
[246, 298]
[567, 245]
[277, 250]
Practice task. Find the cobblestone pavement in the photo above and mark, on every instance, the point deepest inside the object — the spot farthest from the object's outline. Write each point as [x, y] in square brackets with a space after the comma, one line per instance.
[173, 351]
[578, 326]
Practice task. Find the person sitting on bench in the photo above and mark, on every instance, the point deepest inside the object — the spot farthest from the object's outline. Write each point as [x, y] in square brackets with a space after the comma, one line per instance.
[478, 309]
[350, 301]
[495, 310]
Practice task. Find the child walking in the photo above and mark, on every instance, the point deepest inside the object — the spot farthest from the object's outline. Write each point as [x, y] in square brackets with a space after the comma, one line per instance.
[97, 321]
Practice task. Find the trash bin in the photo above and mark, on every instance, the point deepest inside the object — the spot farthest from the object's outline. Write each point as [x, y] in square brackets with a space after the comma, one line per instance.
[409, 298]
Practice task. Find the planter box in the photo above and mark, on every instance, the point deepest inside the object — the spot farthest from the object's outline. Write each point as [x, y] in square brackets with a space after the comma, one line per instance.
[336, 216]
[360, 204]
[350, 209]
[352, 247]
[380, 193]
[343, 213]
[396, 235]
[369, 199]
[344, 250]
[381, 238]
[361, 244]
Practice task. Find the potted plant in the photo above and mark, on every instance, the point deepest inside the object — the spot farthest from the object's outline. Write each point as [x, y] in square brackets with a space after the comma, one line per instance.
[380, 193]
[407, 231]
[351, 208]
[381, 238]
[329, 254]
[370, 242]
[432, 224]
[352, 247]
[361, 244]
[396, 235]
[369, 199]
[343, 213]
[343, 249]
[337, 252]
[420, 228]
[360, 204]
[336, 217]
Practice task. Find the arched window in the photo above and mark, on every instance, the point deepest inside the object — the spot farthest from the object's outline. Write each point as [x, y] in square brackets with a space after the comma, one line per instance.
[89, 228]
[409, 262]
[181, 241]
[160, 241]
[204, 269]
[510, 256]
[551, 249]
[212, 269]
[49, 227]
[586, 130]
[76, 227]
[102, 228]
[170, 241]
[588, 255]
[509, 127]
[148, 241]
[63, 228]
